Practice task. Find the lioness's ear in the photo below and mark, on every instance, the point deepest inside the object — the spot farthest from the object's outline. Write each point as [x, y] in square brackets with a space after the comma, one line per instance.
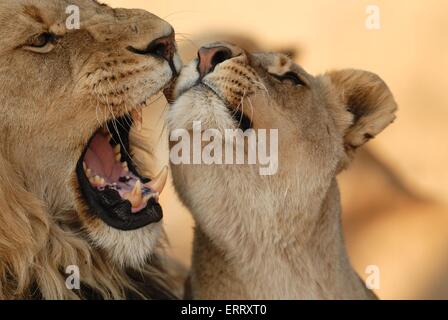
[369, 101]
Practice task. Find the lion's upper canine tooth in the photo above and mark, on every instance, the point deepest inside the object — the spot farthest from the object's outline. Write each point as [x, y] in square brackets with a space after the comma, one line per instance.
[117, 149]
[158, 183]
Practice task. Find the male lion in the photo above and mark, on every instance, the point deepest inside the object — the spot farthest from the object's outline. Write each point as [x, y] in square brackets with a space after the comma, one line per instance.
[277, 236]
[70, 194]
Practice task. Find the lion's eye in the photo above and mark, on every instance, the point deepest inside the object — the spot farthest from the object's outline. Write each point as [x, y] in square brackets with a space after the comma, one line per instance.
[291, 77]
[41, 43]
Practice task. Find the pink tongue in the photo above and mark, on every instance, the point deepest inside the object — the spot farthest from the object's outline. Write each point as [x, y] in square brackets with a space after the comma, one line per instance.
[100, 160]
[100, 157]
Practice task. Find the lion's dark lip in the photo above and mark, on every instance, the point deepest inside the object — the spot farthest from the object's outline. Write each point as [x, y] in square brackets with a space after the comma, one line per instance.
[168, 91]
[107, 204]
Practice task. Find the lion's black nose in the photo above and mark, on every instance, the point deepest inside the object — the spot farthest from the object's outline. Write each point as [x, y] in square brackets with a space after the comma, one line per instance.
[209, 58]
[164, 47]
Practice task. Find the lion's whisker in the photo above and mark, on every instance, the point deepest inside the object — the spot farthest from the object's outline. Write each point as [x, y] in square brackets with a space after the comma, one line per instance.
[114, 89]
[188, 40]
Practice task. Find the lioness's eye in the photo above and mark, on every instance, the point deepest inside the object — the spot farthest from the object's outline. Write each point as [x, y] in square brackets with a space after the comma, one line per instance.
[291, 77]
[41, 43]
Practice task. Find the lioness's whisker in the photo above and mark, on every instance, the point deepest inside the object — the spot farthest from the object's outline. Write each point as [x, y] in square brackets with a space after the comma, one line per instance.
[263, 87]
[242, 109]
[251, 108]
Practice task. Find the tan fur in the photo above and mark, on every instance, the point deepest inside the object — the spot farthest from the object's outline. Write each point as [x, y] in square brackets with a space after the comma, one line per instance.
[280, 236]
[50, 105]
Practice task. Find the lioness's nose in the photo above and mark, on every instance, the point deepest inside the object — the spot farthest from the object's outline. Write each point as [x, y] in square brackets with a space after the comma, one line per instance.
[209, 58]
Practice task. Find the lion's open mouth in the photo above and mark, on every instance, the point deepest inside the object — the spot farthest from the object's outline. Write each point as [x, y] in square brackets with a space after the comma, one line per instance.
[110, 183]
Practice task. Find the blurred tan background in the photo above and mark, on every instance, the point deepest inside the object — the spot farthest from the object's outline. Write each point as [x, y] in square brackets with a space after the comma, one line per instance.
[395, 196]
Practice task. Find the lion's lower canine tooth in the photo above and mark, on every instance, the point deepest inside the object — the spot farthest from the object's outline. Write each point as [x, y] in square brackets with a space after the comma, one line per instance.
[135, 202]
[137, 191]
[158, 183]
[135, 196]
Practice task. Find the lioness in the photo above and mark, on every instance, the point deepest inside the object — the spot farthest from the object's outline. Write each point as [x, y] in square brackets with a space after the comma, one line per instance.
[71, 197]
[276, 236]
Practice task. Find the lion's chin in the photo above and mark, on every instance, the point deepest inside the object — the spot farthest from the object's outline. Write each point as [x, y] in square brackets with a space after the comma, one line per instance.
[127, 249]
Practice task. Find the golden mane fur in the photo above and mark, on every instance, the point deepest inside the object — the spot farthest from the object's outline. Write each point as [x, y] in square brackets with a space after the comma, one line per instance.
[50, 104]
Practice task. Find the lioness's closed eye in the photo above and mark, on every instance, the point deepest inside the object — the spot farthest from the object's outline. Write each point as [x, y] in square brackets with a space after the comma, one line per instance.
[275, 236]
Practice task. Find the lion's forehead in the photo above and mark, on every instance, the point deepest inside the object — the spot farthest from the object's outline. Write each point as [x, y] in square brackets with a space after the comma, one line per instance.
[94, 17]
[52, 10]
